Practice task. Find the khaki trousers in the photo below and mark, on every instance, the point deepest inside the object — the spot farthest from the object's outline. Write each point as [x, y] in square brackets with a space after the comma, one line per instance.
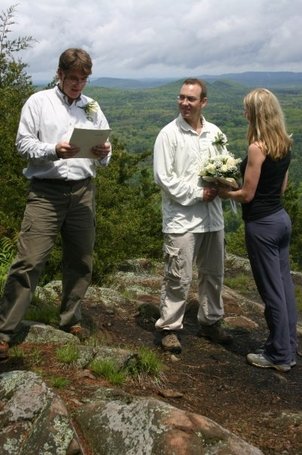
[181, 251]
[53, 206]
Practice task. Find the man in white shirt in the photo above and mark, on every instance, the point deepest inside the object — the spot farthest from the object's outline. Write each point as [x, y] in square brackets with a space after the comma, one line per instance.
[61, 196]
[193, 222]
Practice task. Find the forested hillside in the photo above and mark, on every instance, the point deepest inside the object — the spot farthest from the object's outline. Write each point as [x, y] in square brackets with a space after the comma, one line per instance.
[136, 116]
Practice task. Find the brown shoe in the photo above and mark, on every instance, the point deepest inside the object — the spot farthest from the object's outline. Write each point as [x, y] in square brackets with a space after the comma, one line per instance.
[77, 330]
[4, 347]
[170, 342]
[216, 333]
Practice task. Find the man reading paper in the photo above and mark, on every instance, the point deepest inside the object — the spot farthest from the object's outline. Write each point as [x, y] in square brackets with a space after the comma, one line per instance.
[61, 195]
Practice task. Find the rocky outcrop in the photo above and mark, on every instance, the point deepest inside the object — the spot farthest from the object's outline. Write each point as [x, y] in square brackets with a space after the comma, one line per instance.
[34, 420]
[147, 426]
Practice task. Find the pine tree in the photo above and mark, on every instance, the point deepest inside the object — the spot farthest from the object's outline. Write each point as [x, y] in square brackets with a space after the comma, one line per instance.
[15, 87]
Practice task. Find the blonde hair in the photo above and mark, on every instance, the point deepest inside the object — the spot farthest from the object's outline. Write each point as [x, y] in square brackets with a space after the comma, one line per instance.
[266, 123]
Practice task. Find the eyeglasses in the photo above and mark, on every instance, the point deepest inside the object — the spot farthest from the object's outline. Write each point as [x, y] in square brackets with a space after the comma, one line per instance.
[191, 99]
[75, 80]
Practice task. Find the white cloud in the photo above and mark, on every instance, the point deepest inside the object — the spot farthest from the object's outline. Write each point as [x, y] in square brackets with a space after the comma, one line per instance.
[155, 38]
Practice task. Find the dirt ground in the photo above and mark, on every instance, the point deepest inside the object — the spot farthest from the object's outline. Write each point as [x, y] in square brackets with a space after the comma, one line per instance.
[217, 382]
[261, 406]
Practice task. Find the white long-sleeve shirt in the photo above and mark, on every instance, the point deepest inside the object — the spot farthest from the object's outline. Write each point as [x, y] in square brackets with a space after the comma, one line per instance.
[178, 153]
[47, 119]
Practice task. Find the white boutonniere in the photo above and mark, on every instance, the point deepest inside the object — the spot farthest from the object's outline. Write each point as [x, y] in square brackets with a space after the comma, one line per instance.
[90, 109]
[220, 141]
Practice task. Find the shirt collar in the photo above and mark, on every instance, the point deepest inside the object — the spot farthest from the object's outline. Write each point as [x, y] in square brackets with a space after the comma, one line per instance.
[186, 127]
[64, 98]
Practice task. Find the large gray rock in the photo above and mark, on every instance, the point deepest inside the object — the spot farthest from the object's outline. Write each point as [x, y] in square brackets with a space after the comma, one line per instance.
[147, 426]
[33, 420]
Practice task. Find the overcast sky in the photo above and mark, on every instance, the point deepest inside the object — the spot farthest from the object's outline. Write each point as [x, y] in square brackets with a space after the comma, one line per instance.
[161, 38]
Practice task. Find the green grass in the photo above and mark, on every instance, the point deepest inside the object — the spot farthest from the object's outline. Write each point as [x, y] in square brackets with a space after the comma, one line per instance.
[68, 353]
[245, 285]
[59, 382]
[242, 283]
[16, 352]
[298, 292]
[35, 356]
[108, 369]
[43, 311]
[145, 362]
[7, 253]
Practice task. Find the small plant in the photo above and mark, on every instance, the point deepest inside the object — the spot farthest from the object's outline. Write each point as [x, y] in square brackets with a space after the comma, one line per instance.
[145, 361]
[17, 352]
[45, 312]
[95, 339]
[240, 283]
[35, 357]
[68, 353]
[298, 291]
[7, 253]
[59, 382]
[108, 369]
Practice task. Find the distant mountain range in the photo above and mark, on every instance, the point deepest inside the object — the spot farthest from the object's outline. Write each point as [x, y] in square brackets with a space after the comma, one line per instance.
[114, 82]
[249, 79]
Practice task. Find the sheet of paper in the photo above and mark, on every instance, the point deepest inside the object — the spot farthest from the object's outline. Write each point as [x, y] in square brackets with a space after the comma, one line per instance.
[87, 138]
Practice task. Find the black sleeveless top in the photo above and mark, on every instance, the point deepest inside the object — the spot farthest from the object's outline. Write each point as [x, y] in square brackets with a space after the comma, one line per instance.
[267, 199]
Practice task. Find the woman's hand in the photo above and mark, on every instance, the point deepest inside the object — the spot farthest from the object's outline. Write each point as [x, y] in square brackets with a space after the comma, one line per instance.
[224, 192]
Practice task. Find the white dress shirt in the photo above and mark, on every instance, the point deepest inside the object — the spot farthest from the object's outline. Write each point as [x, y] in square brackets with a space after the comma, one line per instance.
[178, 153]
[47, 118]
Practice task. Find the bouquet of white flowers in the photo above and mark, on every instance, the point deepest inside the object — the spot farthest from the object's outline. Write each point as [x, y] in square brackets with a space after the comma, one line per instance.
[222, 168]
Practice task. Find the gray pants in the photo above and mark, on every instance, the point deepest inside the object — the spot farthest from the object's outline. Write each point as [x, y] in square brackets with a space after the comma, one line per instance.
[53, 206]
[181, 251]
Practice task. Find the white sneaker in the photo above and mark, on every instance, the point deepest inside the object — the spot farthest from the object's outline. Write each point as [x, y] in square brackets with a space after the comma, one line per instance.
[292, 364]
[258, 360]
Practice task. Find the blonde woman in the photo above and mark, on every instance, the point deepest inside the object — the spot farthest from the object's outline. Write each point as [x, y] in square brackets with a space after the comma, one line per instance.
[268, 226]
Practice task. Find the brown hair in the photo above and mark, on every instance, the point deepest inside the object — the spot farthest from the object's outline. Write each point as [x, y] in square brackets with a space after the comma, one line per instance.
[75, 59]
[202, 85]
